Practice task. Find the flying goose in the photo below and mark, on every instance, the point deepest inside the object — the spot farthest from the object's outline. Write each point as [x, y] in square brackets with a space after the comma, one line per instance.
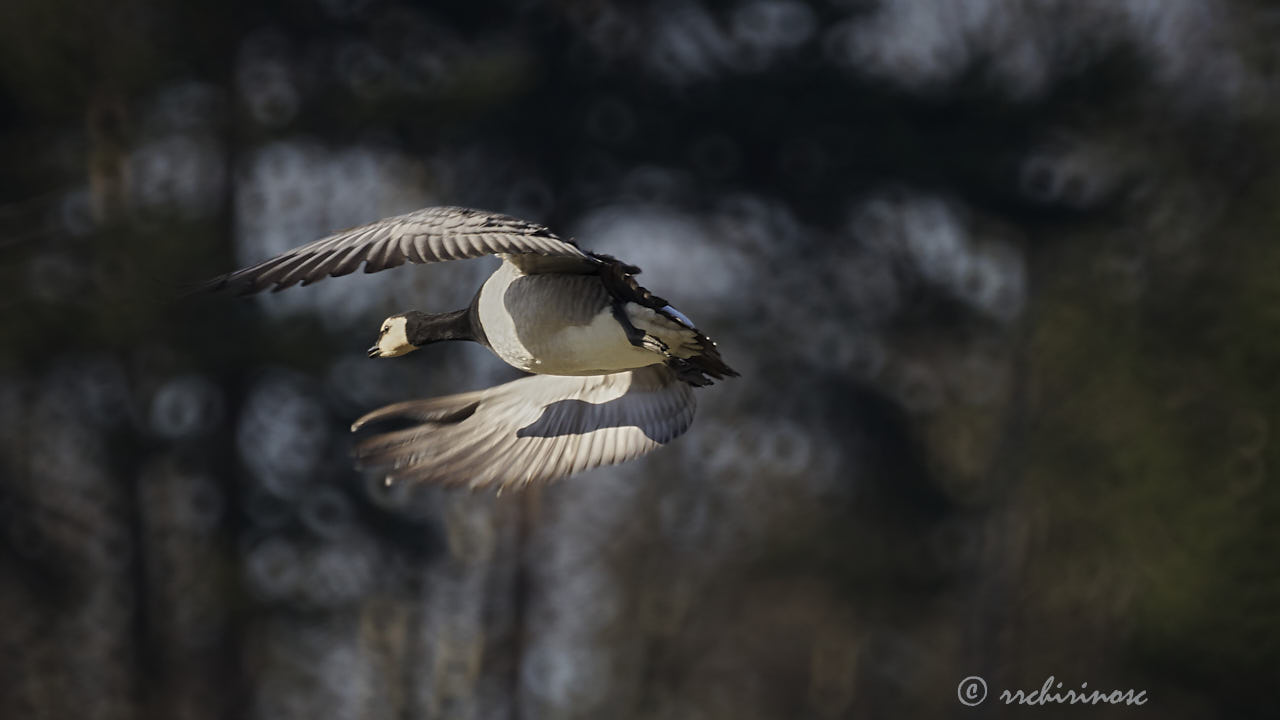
[612, 364]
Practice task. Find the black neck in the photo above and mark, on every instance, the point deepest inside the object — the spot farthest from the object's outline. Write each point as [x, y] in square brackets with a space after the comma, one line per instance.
[426, 328]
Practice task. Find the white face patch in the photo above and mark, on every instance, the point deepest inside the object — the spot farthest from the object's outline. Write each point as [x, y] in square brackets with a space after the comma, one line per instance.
[394, 339]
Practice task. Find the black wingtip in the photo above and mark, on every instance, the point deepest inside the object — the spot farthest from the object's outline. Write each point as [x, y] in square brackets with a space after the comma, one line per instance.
[202, 287]
[228, 283]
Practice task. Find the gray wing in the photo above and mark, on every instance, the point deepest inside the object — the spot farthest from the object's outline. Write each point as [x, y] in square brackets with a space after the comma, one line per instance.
[430, 235]
[532, 430]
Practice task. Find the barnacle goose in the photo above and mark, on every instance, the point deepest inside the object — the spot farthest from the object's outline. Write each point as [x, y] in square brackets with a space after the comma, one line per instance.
[612, 364]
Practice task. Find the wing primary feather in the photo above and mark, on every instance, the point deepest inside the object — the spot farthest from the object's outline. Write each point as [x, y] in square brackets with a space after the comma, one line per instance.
[428, 235]
[573, 424]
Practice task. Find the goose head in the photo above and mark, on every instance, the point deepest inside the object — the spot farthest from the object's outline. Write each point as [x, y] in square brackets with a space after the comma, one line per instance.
[402, 334]
[393, 338]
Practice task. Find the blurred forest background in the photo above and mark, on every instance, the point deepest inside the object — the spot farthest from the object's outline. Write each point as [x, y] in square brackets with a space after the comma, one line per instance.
[1002, 279]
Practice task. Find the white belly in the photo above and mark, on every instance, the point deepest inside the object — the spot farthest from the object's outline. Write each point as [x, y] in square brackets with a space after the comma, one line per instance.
[556, 325]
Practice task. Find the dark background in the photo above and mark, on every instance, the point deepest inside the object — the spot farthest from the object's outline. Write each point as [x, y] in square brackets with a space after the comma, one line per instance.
[1002, 279]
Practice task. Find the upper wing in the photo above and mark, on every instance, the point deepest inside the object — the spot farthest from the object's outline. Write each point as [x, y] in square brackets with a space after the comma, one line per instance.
[423, 236]
[535, 429]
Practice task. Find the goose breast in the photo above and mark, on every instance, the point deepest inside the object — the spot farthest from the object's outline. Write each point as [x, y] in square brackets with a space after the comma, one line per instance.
[556, 324]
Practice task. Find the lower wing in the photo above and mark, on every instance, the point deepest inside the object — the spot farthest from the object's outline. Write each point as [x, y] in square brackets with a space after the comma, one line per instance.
[532, 430]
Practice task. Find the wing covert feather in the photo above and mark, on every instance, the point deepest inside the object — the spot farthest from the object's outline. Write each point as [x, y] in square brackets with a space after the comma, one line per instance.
[436, 234]
[532, 430]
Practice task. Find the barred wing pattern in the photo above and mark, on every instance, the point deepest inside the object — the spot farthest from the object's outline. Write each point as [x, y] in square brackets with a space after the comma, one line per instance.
[430, 235]
[532, 430]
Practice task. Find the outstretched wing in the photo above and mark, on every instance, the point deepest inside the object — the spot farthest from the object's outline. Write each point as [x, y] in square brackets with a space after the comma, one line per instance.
[430, 235]
[535, 429]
